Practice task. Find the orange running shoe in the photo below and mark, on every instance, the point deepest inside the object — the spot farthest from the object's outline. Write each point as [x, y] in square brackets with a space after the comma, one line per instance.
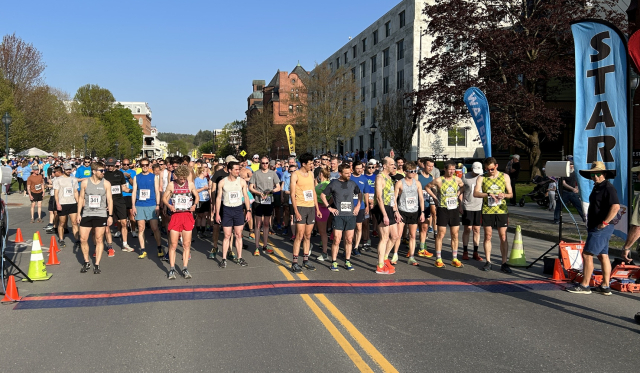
[465, 255]
[456, 263]
[111, 252]
[439, 263]
[424, 253]
[382, 270]
[477, 257]
[389, 266]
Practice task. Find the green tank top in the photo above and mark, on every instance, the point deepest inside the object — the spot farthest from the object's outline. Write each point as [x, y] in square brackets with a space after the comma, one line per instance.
[494, 186]
[388, 196]
[449, 193]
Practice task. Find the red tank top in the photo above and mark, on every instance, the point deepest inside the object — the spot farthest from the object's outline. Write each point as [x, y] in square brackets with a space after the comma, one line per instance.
[182, 199]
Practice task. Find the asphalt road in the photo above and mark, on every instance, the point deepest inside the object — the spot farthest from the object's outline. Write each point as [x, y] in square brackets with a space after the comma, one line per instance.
[456, 320]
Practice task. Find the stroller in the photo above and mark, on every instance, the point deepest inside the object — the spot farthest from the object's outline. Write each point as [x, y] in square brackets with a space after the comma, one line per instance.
[539, 193]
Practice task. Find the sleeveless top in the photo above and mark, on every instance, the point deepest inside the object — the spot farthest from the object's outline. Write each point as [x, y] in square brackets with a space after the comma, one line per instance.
[304, 190]
[494, 186]
[319, 189]
[388, 196]
[409, 199]
[146, 190]
[449, 193]
[95, 200]
[181, 199]
[232, 193]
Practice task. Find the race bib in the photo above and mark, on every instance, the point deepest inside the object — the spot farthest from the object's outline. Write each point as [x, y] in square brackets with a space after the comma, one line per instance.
[234, 197]
[38, 187]
[67, 192]
[411, 202]
[492, 201]
[308, 195]
[182, 202]
[205, 195]
[115, 189]
[266, 200]
[94, 201]
[345, 206]
[452, 203]
[145, 194]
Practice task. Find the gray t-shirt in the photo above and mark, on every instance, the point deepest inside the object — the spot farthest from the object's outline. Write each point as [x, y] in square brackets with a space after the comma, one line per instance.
[435, 173]
[264, 181]
[65, 187]
[334, 175]
[470, 203]
[343, 195]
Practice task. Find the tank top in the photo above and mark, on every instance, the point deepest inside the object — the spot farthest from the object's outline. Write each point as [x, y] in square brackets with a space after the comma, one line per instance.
[388, 196]
[449, 193]
[146, 190]
[409, 199]
[95, 200]
[319, 189]
[181, 199]
[201, 183]
[304, 190]
[494, 186]
[232, 193]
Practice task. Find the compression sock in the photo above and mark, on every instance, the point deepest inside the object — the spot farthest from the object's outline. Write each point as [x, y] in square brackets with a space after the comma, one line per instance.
[439, 254]
[455, 253]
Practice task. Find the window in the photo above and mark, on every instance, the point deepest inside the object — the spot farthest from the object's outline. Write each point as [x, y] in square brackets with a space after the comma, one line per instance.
[374, 63]
[351, 144]
[375, 37]
[353, 74]
[364, 45]
[293, 81]
[363, 69]
[362, 97]
[299, 108]
[385, 57]
[291, 96]
[355, 50]
[387, 29]
[138, 110]
[362, 119]
[400, 49]
[402, 19]
[259, 88]
[385, 85]
[338, 63]
[140, 121]
[346, 59]
[458, 137]
[291, 108]
[374, 90]
[400, 79]
[361, 142]
[372, 140]
[373, 116]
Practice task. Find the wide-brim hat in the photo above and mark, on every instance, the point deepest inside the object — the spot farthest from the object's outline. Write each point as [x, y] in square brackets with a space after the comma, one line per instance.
[598, 167]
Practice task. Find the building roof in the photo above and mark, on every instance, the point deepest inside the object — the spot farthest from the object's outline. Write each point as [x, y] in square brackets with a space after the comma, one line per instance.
[302, 73]
[258, 82]
[275, 82]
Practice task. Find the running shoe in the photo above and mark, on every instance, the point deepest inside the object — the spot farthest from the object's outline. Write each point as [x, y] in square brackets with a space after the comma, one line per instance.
[579, 289]
[142, 255]
[242, 263]
[96, 270]
[308, 266]
[382, 270]
[256, 253]
[348, 266]
[76, 245]
[268, 250]
[412, 261]
[134, 234]
[424, 253]
[285, 230]
[602, 290]
[117, 234]
[477, 257]
[293, 238]
[390, 267]
[487, 267]
[127, 248]
[439, 263]
[355, 252]
[61, 243]
[322, 257]
[186, 274]
[160, 253]
[232, 256]
[223, 263]
[366, 247]
[94, 254]
[165, 258]
[334, 267]
[394, 259]
[408, 255]
[430, 230]
[505, 268]
[465, 255]
[86, 267]
[252, 236]
[374, 234]
[456, 263]
[295, 268]
[111, 252]
[172, 274]
[278, 227]
[405, 241]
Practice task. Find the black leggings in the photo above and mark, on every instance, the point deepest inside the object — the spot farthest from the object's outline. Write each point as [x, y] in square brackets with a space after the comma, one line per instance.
[22, 184]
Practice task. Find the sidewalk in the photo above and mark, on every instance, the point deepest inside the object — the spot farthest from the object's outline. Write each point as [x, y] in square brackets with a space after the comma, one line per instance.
[16, 199]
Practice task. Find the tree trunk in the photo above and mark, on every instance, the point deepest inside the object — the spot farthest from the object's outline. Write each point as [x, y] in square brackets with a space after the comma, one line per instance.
[534, 154]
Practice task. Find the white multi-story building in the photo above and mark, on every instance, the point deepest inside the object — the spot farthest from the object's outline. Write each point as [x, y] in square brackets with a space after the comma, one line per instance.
[384, 57]
[152, 147]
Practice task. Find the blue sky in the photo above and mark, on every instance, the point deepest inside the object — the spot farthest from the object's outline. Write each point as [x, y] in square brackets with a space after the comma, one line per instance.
[192, 61]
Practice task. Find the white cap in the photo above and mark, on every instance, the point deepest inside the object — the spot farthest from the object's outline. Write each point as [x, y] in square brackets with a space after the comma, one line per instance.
[256, 156]
[372, 161]
[477, 167]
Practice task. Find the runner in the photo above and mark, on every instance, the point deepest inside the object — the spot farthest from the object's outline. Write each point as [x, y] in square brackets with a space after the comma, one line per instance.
[305, 209]
[363, 183]
[425, 180]
[215, 179]
[84, 171]
[118, 185]
[387, 214]
[146, 205]
[286, 188]
[95, 212]
[411, 206]
[494, 188]
[333, 168]
[179, 199]
[129, 174]
[231, 194]
[35, 188]
[262, 184]
[53, 211]
[66, 195]
[471, 212]
[203, 185]
[449, 187]
[371, 181]
[321, 222]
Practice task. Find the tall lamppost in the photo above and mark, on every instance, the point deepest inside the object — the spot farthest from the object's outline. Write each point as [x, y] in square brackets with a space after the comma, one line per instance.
[6, 119]
[117, 144]
[85, 137]
[373, 130]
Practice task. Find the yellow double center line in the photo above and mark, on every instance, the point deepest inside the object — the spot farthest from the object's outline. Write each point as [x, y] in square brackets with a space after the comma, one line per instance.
[364, 343]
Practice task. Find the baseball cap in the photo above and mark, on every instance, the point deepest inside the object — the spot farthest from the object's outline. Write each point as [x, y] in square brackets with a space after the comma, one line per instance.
[372, 161]
[111, 161]
[476, 167]
[67, 166]
[230, 158]
[255, 156]
[272, 163]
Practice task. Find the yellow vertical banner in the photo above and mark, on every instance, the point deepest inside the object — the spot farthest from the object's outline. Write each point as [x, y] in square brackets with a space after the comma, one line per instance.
[291, 138]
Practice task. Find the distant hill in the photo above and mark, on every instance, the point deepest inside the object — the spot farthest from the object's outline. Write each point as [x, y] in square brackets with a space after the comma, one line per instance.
[171, 137]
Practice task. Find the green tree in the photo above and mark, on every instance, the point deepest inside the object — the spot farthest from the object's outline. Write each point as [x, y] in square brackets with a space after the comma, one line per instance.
[206, 148]
[202, 137]
[93, 101]
[123, 128]
[180, 146]
[42, 115]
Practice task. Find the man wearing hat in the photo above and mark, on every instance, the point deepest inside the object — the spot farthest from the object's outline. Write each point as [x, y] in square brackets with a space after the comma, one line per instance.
[255, 162]
[603, 207]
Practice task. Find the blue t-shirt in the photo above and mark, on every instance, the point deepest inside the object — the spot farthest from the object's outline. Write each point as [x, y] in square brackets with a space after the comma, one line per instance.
[280, 175]
[146, 190]
[363, 183]
[133, 175]
[201, 183]
[286, 183]
[19, 172]
[82, 172]
[45, 169]
[26, 172]
[372, 182]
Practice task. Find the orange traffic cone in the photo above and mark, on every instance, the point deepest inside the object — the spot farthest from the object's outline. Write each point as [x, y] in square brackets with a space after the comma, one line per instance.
[39, 239]
[558, 272]
[12, 291]
[19, 236]
[54, 244]
[53, 256]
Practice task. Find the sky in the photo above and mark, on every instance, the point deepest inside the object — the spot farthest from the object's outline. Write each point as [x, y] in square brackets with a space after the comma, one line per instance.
[192, 61]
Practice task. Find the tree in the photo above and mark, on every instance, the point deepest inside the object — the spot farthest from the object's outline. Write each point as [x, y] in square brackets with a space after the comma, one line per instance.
[21, 65]
[436, 145]
[331, 109]
[393, 115]
[206, 148]
[230, 138]
[93, 101]
[518, 52]
[43, 114]
[121, 127]
[179, 146]
[263, 132]
[202, 137]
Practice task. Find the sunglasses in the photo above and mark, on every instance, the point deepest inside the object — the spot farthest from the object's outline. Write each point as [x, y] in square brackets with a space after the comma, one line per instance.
[144, 165]
[371, 166]
[412, 171]
[264, 162]
[100, 170]
[325, 159]
[125, 164]
[490, 169]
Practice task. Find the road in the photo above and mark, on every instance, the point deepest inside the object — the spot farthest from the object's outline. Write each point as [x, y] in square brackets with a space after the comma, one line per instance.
[262, 318]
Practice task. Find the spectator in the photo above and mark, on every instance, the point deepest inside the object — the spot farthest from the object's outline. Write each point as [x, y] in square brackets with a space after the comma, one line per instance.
[513, 170]
[569, 195]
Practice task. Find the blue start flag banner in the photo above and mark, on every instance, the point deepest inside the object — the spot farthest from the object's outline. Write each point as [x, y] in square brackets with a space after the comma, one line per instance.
[602, 120]
[479, 108]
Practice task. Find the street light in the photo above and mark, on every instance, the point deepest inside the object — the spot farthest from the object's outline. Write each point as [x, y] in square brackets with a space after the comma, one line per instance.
[117, 144]
[85, 137]
[6, 119]
[373, 130]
